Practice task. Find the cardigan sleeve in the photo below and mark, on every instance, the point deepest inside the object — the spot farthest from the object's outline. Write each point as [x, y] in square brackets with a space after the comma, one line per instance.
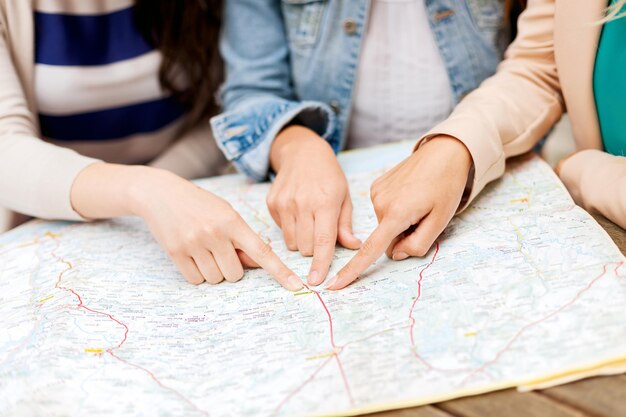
[35, 177]
[587, 175]
[511, 111]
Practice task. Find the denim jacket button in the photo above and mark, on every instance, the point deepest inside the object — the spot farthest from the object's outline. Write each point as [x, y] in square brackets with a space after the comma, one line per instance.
[349, 26]
[335, 106]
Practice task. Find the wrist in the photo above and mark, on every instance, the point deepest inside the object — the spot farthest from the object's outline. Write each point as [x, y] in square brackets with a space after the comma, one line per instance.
[105, 190]
[454, 149]
[144, 188]
[293, 140]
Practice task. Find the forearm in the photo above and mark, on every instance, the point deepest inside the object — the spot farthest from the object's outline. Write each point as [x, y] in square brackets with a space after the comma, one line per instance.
[36, 177]
[199, 231]
[103, 190]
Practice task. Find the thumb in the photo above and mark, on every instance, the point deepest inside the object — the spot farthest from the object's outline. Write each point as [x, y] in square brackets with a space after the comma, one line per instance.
[246, 261]
[345, 236]
[419, 242]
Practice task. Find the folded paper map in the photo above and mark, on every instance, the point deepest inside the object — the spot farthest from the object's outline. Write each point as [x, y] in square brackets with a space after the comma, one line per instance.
[523, 289]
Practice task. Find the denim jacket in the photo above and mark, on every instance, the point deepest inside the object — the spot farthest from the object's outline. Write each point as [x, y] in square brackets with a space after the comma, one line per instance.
[295, 61]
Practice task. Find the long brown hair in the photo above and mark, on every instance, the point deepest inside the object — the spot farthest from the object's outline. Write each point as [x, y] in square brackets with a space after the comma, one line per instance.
[512, 10]
[186, 32]
[513, 5]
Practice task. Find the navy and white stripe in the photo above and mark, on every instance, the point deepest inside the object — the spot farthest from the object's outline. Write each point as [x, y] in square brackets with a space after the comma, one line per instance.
[96, 77]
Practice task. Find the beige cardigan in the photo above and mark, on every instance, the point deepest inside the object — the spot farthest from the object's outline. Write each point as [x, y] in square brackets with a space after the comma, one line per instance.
[549, 67]
[35, 176]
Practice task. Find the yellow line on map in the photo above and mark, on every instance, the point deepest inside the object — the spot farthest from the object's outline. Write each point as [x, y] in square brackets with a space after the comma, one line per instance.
[303, 293]
[26, 244]
[528, 258]
[93, 350]
[36, 241]
[470, 334]
[526, 189]
[323, 355]
[518, 233]
[46, 299]
[520, 200]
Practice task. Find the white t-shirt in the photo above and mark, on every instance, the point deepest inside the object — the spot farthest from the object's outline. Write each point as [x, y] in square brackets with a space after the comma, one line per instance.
[402, 88]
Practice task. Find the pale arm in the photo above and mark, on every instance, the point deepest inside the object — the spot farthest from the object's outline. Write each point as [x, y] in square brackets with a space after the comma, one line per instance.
[597, 182]
[203, 235]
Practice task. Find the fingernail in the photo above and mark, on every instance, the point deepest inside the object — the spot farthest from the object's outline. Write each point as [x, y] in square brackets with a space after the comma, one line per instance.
[331, 282]
[399, 256]
[313, 276]
[294, 283]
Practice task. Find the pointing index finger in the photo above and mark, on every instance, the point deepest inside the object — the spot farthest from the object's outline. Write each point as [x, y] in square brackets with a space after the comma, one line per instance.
[370, 251]
[261, 252]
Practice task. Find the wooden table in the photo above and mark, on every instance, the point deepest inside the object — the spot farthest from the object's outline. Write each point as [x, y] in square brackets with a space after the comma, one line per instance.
[594, 397]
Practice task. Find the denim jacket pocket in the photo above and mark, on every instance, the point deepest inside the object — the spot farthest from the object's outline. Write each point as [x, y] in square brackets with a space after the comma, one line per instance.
[487, 14]
[303, 19]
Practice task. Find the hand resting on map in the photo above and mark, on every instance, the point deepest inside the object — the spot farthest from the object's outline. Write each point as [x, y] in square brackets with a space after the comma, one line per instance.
[310, 200]
[414, 202]
[203, 235]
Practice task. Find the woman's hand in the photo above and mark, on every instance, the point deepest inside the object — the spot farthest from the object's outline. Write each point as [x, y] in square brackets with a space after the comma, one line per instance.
[204, 236]
[414, 202]
[309, 200]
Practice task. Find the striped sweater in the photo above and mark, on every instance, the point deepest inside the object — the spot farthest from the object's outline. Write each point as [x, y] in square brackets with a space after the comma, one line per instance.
[78, 84]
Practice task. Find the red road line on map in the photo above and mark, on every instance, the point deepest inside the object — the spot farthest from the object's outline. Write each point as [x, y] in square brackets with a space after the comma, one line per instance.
[110, 350]
[299, 388]
[335, 354]
[81, 305]
[336, 349]
[412, 324]
[474, 371]
[417, 297]
[339, 363]
[324, 364]
[80, 300]
[330, 318]
[172, 390]
[539, 321]
[344, 378]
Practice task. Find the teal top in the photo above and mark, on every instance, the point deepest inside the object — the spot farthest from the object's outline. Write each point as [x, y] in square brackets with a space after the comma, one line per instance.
[609, 86]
